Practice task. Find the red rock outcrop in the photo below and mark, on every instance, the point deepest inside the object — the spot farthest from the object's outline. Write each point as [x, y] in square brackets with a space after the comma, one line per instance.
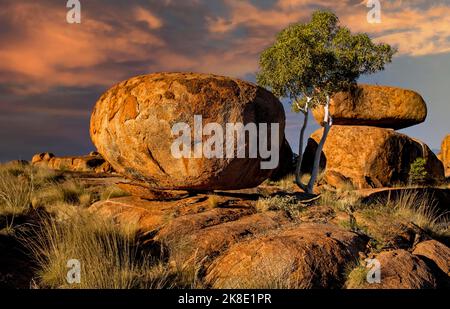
[90, 163]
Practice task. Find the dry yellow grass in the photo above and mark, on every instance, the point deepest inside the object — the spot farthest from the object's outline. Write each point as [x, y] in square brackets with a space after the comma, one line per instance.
[287, 183]
[421, 209]
[111, 191]
[15, 193]
[341, 200]
[289, 204]
[107, 254]
[356, 276]
[213, 201]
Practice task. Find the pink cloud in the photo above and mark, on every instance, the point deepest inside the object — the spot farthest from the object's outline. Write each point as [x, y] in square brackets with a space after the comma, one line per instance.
[417, 31]
[49, 49]
[46, 52]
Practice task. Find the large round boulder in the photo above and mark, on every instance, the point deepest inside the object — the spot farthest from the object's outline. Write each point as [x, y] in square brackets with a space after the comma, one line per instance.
[132, 123]
[379, 106]
[368, 157]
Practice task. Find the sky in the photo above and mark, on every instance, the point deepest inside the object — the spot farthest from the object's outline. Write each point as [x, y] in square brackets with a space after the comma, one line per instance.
[52, 72]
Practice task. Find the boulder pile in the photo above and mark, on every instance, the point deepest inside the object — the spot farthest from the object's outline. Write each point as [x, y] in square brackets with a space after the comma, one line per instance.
[362, 148]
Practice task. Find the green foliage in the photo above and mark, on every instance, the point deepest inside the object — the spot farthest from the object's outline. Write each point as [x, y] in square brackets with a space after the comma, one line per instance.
[418, 173]
[319, 58]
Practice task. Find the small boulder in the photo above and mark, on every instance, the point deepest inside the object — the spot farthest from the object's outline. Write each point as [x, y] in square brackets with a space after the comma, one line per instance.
[380, 106]
[399, 269]
[45, 156]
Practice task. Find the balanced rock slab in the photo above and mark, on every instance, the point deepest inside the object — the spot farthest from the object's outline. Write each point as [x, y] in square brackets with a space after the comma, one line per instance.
[131, 126]
[369, 157]
[380, 106]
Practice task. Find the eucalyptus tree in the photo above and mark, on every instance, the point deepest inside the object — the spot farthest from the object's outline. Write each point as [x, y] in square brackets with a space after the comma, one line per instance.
[311, 62]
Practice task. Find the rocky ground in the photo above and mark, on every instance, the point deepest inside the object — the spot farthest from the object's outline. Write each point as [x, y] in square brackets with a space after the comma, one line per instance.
[272, 236]
[135, 215]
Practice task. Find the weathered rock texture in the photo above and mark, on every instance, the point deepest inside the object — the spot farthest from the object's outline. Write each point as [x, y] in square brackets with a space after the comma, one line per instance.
[401, 270]
[368, 156]
[444, 156]
[380, 106]
[308, 256]
[436, 252]
[131, 127]
[93, 162]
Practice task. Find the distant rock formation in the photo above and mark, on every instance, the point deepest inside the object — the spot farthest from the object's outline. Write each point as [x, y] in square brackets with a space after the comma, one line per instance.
[377, 106]
[131, 127]
[361, 150]
[93, 162]
[444, 155]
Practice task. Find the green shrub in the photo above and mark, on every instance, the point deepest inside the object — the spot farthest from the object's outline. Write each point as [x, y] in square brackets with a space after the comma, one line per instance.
[418, 173]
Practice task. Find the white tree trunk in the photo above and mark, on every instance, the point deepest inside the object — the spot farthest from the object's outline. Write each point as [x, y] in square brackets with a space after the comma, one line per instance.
[298, 173]
[328, 122]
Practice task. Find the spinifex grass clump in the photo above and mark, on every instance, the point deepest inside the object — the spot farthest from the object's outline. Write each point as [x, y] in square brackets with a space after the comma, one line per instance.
[107, 255]
[16, 189]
